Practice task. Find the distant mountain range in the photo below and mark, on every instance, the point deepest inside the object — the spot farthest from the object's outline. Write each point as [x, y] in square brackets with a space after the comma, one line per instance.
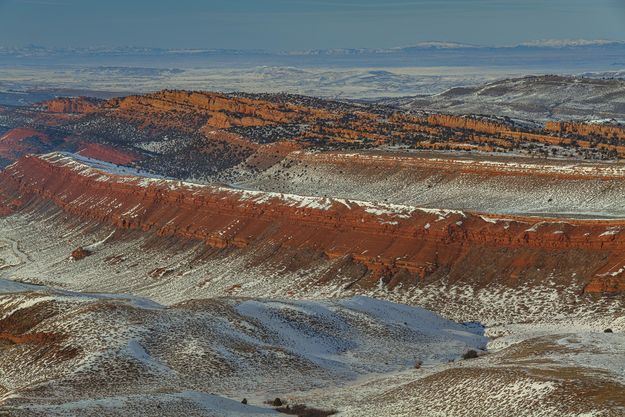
[36, 50]
[550, 56]
[356, 73]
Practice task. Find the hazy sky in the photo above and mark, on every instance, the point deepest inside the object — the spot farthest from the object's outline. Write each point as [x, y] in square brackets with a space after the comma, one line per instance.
[303, 24]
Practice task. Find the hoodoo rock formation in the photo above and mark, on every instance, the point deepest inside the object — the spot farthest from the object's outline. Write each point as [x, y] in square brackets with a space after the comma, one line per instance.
[397, 244]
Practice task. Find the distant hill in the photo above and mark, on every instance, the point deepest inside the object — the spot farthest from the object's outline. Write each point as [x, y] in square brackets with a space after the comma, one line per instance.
[535, 98]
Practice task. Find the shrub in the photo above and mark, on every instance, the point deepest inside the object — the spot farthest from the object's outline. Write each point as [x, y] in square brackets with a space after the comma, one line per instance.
[301, 410]
[608, 331]
[470, 354]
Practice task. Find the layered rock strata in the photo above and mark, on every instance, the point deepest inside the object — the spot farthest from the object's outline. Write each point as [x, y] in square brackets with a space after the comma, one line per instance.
[398, 244]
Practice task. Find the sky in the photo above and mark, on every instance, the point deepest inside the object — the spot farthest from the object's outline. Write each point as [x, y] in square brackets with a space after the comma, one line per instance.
[303, 24]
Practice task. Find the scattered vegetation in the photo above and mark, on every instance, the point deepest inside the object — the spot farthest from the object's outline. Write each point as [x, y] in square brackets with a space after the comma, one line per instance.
[470, 354]
[277, 402]
[301, 410]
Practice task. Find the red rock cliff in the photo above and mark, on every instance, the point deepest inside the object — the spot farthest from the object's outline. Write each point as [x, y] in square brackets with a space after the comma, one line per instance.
[72, 105]
[397, 243]
[19, 141]
[587, 129]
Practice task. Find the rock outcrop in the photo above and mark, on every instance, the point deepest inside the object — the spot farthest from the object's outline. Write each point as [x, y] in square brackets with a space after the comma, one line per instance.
[321, 123]
[19, 141]
[605, 131]
[73, 105]
[79, 253]
[398, 244]
[107, 153]
[219, 111]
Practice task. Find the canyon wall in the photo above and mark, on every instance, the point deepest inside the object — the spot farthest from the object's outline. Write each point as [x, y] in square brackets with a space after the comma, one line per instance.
[327, 123]
[398, 244]
[587, 129]
[19, 141]
[73, 105]
[219, 111]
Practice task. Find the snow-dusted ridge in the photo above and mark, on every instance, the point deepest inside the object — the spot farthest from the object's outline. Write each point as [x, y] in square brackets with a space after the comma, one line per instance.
[104, 172]
[544, 167]
[569, 43]
[386, 212]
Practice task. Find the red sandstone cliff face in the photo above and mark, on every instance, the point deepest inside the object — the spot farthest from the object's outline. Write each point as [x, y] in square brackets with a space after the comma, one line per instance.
[400, 245]
[587, 129]
[502, 136]
[212, 109]
[107, 153]
[73, 105]
[206, 112]
[466, 122]
[19, 141]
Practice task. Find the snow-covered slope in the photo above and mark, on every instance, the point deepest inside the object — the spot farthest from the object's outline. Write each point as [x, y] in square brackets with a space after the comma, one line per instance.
[567, 374]
[531, 98]
[67, 353]
[510, 186]
[78, 352]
